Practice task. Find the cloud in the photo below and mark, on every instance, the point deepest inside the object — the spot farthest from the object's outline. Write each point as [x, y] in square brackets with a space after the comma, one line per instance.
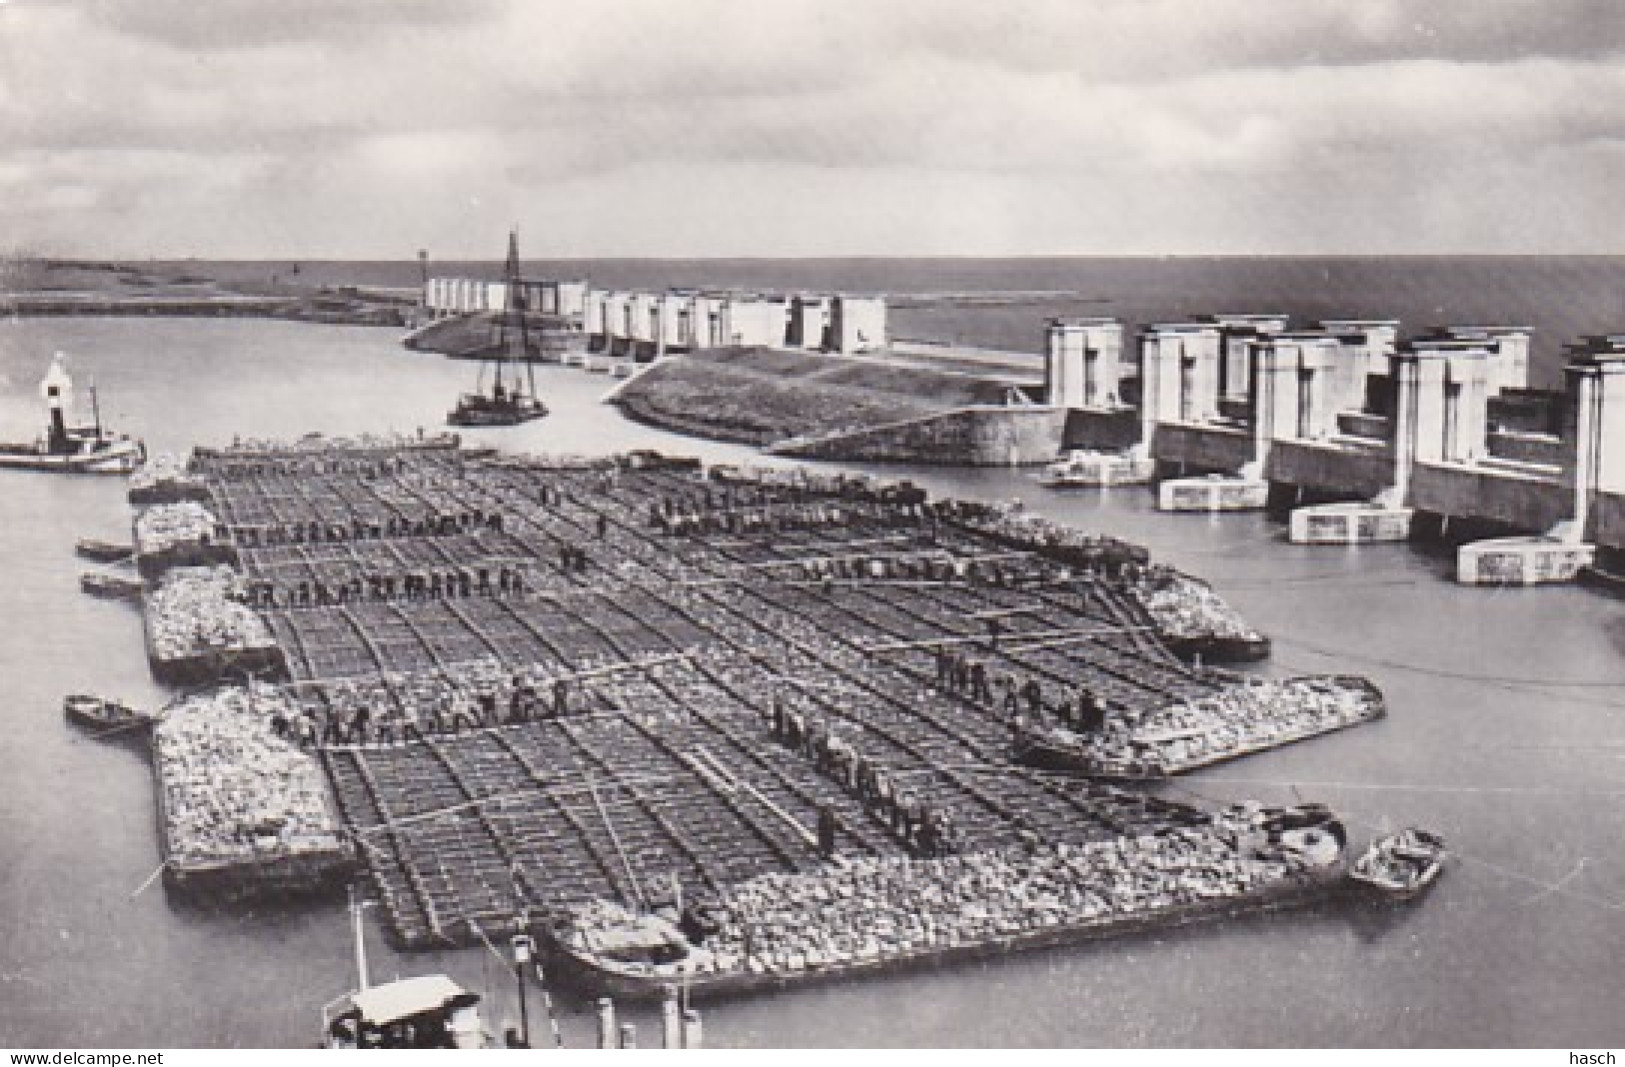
[235, 25]
[651, 127]
[1152, 40]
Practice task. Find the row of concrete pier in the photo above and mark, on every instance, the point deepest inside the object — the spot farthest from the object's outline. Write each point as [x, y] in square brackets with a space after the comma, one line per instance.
[647, 323]
[1364, 432]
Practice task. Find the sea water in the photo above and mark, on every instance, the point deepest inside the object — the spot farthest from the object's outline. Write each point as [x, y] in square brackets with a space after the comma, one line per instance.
[1506, 734]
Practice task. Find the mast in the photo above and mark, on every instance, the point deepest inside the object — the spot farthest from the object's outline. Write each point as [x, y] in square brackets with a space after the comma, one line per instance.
[95, 409]
[513, 321]
[363, 980]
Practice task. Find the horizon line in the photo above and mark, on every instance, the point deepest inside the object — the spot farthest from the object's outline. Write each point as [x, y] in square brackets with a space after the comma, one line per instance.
[31, 257]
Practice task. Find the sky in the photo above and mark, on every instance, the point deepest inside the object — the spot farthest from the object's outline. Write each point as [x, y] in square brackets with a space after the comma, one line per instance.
[695, 128]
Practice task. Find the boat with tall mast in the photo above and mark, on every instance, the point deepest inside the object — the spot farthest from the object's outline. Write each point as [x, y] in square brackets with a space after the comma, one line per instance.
[84, 449]
[512, 397]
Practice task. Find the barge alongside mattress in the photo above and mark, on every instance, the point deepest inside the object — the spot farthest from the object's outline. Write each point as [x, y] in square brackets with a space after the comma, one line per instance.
[243, 813]
[198, 629]
[1254, 716]
[879, 916]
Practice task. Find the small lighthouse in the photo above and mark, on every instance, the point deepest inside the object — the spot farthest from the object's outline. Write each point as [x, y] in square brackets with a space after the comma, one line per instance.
[57, 390]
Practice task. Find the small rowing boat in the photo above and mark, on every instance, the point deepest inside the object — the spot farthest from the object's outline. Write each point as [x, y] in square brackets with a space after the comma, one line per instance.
[102, 714]
[1401, 866]
[111, 585]
[101, 551]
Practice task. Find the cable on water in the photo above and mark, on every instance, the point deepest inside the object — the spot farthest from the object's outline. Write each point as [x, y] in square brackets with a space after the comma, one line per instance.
[1320, 582]
[1441, 672]
[1399, 787]
[1511, 687]
[151, 878]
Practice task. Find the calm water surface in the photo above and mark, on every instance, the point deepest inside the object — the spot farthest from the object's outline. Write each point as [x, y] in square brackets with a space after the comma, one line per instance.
[1506, 733]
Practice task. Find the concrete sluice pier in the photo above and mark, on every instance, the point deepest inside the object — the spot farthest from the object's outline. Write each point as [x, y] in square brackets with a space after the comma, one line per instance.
[1522, 561]
[1360, 522]
[1213, 492]
[536, 684]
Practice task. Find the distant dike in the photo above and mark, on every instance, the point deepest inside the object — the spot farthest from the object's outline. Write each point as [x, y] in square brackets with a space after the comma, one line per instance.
[813, 406]
[71, 288]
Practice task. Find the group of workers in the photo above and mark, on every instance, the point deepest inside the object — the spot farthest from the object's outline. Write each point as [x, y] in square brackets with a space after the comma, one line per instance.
[573, 560]
[689, 518]
[963, 674]
[925, 829]
[376, 466]
[359, 725]
[968, 676]
[313, 532]
[412, 586]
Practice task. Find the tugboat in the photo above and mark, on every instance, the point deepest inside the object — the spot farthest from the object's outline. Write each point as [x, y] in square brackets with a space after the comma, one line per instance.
[68, 449]
[511, 401]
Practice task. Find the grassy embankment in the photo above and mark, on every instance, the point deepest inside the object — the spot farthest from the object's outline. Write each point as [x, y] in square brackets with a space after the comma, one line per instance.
[471, 336]
[759, 396]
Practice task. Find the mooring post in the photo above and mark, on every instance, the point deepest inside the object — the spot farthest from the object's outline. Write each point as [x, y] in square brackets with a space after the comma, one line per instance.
[693, 1035]
[606, 1023]
[671, 1020]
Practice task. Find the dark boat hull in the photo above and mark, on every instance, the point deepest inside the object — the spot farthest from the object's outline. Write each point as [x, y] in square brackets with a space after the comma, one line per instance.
[112, 586]
[120, 457]
[1220, 649]
[479, 410]
[485, 418]
[103, 715]
[103, 551]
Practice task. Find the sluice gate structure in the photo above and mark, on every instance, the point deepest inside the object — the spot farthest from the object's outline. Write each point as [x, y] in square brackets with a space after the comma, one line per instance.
[1365, 433]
